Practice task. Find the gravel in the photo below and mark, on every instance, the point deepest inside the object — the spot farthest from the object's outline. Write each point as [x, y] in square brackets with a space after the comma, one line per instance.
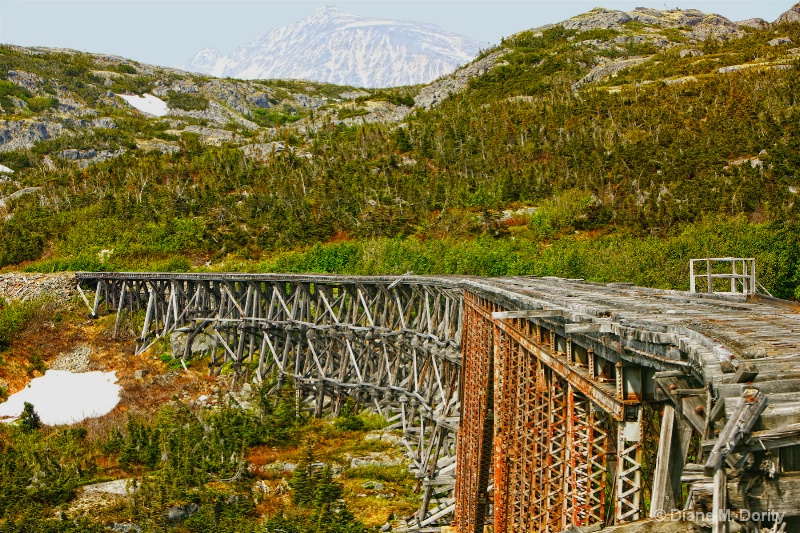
[76, 361]
[23, 286]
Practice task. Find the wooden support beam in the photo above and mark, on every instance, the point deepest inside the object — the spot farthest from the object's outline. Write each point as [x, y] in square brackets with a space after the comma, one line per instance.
[673, 446]
[746, 373]
[527, 313]
[751, 404]
[719, 508]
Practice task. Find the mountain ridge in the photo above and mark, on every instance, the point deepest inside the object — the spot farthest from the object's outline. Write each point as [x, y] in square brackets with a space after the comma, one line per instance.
[335, 47]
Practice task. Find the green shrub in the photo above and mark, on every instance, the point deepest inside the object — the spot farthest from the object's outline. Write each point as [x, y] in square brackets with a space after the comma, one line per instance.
[125, 68]
[187, 101]
[41, 103]
[15, 316]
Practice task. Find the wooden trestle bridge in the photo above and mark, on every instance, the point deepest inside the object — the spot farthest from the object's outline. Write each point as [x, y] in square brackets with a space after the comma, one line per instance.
[527, 404]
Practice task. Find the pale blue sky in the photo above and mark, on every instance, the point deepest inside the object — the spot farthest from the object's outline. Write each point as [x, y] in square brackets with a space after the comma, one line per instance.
[170, 32]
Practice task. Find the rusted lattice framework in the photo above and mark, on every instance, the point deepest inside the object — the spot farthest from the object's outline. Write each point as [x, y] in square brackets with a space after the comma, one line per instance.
[392, 344]
[563, 422]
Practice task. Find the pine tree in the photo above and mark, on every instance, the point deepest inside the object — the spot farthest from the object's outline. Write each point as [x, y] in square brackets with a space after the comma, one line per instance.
[29, 421]
[302, 482]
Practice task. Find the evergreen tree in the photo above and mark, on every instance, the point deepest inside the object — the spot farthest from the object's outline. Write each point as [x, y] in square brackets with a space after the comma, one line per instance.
[29, 420]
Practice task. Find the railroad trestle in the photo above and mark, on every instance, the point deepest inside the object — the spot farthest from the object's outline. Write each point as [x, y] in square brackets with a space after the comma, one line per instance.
[527, 404]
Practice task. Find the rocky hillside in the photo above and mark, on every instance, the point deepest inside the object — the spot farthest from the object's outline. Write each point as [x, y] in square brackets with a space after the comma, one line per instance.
[609, 126]
[337, 47]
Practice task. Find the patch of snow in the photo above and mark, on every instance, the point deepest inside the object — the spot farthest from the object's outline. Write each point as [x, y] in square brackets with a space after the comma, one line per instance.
[5, 169]
[152, 105]
[62, 397]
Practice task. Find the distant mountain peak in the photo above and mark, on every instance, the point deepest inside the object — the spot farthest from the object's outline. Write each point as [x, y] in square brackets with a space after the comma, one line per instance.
[338, 47]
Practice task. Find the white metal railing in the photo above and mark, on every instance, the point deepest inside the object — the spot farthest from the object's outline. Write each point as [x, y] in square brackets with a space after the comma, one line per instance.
[741, 273]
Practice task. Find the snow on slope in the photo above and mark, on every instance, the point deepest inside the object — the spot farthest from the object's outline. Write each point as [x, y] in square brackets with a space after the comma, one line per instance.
[336, 47]
[152, 105]
[61, 397]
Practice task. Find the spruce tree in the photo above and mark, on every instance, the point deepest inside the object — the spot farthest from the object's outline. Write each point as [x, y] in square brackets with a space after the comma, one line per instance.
[29, 421]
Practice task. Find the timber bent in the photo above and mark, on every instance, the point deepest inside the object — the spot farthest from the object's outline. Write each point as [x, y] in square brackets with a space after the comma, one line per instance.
[526, 404]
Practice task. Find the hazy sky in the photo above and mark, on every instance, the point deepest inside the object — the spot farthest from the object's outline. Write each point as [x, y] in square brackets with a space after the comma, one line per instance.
[170, 32]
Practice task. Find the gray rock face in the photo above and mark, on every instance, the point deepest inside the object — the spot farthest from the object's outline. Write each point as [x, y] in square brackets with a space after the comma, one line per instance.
[755, 23]
[603, 71]
[435, 93]
[263, 151]
[779, 41]
[179, 513]
[21, 134]
[260, 100]
[792, 15]
[217, 114]
[28, 81]
[84, 158]
[599, 18]
[202, 343]
[700, 25]
[691, 52]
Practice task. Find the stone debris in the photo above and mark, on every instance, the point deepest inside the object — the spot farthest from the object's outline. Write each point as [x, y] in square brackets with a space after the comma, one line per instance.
[23, 286]
[375, 459]
[383, 437]
[76, 361]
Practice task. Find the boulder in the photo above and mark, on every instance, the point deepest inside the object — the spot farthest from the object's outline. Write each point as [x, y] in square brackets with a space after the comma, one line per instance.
[691, 52]
[179, 513]
[202, 343]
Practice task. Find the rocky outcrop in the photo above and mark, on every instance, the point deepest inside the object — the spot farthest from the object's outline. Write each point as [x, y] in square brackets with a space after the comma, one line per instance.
[23, 134]
[216, 114]
[694, 24]
[608, 69]
[436, 92]
[27, 81]
[84, 158]
[792, 15]
[755, 23]
[778, 41]
[17, 194]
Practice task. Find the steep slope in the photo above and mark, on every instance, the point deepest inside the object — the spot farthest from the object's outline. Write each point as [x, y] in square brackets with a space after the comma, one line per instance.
[336, 47]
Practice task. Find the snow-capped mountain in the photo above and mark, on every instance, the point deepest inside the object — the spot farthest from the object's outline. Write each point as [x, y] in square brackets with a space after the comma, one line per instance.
[336, 47]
